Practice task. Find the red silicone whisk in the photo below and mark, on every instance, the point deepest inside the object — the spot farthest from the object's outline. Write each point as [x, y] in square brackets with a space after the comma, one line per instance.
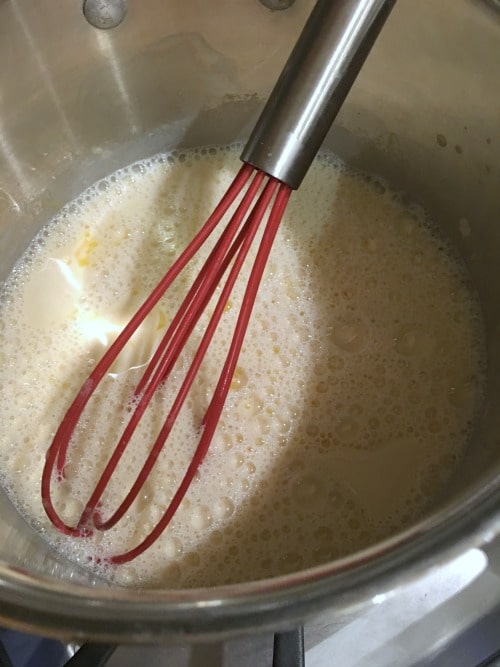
[301, 109]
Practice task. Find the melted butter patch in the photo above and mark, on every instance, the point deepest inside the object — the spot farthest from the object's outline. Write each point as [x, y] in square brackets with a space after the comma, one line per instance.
[86, 250]
[51, 294]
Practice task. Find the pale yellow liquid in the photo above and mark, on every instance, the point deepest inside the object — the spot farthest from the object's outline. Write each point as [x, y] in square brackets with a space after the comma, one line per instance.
[352, 402]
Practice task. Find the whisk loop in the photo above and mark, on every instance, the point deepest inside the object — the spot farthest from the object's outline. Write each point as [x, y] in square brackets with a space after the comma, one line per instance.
[263, 194]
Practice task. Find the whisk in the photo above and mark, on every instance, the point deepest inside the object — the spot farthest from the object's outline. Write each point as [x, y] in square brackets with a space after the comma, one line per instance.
[308, 95]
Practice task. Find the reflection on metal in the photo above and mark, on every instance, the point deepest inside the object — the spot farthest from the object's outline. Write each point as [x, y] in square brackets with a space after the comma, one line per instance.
[105, 45]
[14, 165]
[105, 14]
[38, 58]
[277, 4]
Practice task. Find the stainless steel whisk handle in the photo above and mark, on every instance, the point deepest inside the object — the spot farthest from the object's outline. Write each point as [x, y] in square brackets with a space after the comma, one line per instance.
[313, 86]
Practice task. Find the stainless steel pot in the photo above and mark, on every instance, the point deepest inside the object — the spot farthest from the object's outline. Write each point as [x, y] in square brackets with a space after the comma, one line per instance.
[76, 102]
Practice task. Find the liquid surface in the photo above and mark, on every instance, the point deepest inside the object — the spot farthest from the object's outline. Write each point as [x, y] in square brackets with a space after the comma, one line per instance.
[353, 398]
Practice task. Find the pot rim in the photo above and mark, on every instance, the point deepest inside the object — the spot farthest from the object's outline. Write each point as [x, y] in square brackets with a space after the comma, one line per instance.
[61, 608]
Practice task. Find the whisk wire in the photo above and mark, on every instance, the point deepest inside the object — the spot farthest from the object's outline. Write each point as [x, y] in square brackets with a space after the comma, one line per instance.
[174, 341]
[232, 247]
[214, 410]
[163, 361]
[56, 455]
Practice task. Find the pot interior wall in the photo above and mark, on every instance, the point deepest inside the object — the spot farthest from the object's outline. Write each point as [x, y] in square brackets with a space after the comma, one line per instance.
[77, 103]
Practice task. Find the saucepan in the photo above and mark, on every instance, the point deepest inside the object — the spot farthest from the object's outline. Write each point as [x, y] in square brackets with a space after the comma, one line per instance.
[77, 102]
